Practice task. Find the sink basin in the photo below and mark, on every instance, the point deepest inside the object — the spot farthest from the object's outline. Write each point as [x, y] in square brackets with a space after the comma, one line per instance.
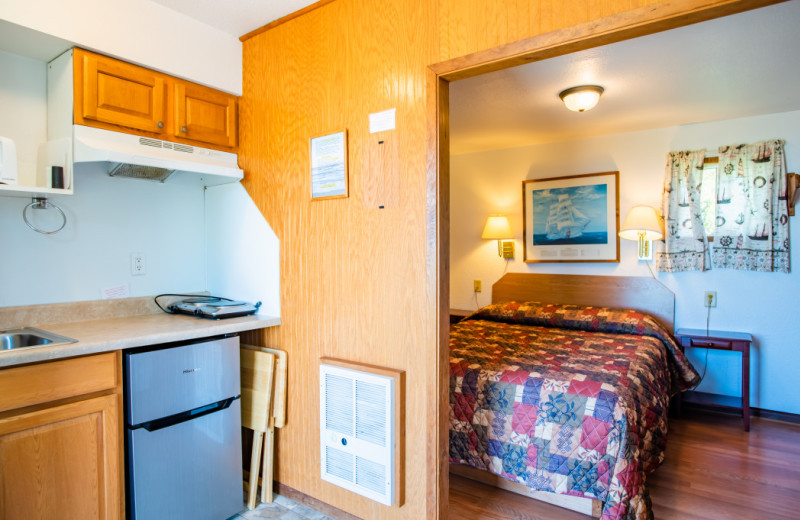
[30, 337]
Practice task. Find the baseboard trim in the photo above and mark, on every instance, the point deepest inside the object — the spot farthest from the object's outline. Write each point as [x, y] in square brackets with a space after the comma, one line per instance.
[776, 416]
[754, 412]
[313, 503]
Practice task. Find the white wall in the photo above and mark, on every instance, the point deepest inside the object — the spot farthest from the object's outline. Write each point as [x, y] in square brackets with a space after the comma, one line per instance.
[243, 251]
[23, 109]
[139, 31]
[107, 219]
[764, 304]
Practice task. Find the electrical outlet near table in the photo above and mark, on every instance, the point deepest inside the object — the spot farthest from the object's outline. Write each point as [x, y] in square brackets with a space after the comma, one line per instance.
[476, 285]
[710, 299]
[137, 264]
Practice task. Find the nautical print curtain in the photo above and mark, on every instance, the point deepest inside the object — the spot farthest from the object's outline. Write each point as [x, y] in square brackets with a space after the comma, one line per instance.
[686, 245]
[752, 217]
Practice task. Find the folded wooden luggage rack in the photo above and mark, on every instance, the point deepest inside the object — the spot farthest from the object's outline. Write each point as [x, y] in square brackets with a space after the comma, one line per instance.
[263, 410]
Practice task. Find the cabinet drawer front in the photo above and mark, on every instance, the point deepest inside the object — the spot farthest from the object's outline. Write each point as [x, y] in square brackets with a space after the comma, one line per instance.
[54, 380]
[719, 344]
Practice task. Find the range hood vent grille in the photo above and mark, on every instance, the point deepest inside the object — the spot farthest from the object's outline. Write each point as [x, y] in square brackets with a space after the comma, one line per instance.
[155, 143]
[182, 148]
[146, 141]
[135, 171]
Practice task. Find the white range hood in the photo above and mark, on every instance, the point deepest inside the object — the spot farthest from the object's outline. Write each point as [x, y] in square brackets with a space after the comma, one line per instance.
[146, 155]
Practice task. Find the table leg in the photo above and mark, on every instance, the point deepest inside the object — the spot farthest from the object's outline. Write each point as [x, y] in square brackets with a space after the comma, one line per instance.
[746, 386]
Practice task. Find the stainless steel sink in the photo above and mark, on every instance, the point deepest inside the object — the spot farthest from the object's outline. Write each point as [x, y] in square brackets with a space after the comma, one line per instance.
[30, 337]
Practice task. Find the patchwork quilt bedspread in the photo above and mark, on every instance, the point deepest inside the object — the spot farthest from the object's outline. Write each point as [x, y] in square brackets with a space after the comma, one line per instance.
[565, 398]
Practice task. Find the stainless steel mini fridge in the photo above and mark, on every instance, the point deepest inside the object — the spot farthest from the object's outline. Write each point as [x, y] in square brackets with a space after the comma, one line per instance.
[183, 431]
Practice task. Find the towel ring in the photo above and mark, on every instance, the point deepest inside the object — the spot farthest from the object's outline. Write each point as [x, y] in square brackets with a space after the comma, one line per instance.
[43, 203]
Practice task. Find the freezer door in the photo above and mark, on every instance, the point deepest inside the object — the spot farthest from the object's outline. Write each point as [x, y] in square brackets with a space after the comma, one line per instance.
[173, 380]
[189, 470]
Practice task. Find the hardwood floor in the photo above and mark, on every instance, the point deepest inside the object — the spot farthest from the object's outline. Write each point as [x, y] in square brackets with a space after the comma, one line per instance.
[713, 470]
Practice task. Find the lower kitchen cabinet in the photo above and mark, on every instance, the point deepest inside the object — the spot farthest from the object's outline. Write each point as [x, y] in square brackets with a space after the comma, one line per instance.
[62, 459]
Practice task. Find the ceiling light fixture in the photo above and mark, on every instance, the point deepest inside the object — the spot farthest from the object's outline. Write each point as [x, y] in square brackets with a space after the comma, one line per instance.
[580, 99]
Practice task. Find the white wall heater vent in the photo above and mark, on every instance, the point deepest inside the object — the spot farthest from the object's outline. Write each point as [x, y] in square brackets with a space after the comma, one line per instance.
[358, 436]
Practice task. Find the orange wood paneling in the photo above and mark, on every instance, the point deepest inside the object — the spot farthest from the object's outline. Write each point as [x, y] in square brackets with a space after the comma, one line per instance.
[359, 282]
[353, 276]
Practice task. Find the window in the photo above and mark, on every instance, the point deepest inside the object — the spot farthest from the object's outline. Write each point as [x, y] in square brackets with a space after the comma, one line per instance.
[708, 195]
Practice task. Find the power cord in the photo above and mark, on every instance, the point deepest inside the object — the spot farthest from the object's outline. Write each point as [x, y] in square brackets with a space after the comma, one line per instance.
[197, 298]
[705, 362]
[653, 274]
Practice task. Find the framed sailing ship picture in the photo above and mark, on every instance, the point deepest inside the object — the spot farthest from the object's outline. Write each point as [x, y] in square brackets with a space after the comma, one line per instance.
[571, 219]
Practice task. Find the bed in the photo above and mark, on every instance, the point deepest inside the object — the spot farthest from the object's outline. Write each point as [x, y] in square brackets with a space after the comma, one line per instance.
[567, 395]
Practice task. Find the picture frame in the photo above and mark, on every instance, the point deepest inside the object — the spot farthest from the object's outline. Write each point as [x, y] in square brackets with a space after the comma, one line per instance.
[574, 218]
[328, 166]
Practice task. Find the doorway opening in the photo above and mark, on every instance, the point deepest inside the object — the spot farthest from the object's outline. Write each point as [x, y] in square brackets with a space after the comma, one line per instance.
[552, 45]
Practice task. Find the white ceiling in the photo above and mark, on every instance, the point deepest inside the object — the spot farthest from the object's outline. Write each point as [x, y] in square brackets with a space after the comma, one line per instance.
[737, 66]
[236, 17]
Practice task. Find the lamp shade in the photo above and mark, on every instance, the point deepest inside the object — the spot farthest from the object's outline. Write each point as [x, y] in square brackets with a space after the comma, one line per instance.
[644, 222]
[497, 228]
[580, 99]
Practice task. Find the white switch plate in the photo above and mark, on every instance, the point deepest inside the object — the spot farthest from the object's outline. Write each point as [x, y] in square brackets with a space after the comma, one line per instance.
[138, 266]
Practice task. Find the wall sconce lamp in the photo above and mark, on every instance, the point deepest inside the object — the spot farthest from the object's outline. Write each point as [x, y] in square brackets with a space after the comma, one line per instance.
[581, 99]
[498, 228]
[642, 224]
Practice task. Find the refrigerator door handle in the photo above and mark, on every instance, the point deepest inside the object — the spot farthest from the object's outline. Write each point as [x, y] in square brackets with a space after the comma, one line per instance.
[166, 422]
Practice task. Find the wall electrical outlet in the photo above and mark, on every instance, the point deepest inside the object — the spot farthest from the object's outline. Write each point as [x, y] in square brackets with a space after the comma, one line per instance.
[137, 264]
[710, 299]
[476, 286]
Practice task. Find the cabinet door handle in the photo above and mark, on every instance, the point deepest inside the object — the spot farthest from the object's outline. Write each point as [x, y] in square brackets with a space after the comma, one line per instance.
[183, 129]
[160, 124]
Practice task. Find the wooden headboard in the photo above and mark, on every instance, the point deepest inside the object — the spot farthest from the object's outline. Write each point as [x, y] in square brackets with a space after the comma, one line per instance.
[633, 292]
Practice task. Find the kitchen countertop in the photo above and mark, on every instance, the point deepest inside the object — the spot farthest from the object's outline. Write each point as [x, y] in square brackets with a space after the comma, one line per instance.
[123, 332]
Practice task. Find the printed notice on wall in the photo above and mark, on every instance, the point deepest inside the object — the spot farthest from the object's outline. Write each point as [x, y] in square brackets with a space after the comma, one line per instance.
[329, 166]
[115, 291]
[381, 121]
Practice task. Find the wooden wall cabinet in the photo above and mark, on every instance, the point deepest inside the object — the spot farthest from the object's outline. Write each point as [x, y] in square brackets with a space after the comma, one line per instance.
[204, 115]
[115, 95]
[120, 94]
[61, 452]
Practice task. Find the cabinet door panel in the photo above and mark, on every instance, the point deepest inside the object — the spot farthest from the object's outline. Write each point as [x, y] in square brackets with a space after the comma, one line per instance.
[121, 94]
[205, 115]
[62, 462]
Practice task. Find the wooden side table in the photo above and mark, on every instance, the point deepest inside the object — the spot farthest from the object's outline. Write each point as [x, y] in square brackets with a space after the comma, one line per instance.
[721, 340]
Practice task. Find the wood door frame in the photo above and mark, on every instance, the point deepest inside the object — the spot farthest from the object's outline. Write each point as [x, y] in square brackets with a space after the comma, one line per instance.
[660, 17]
